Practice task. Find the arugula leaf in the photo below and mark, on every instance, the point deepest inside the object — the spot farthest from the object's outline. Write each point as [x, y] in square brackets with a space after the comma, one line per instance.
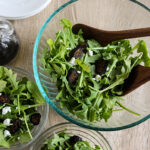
[3, 142]
[1, 72]
[2, 85]
[33, 89]
[84, 66]
[24, 138]
[12, 77]
[82, 113]
[50, 43]
[66, 23]
[145, 57]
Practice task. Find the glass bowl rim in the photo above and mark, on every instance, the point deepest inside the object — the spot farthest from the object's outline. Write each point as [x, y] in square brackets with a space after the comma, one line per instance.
[37, 79]
[73, 125]
[46, 116]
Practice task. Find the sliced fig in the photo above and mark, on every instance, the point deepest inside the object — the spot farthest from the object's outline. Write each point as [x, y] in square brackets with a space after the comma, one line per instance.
[16, 125]
[4, 99]
[74, 139]
[72, 76]
[79, 50]
[101, 66]
[35, 118]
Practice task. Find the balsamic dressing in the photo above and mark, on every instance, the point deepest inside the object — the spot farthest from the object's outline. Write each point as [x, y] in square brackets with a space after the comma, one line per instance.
[9, 43]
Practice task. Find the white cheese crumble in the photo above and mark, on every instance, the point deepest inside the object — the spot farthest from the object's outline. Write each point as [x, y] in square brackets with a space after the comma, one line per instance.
[6, 133]
[93, 79]
[73, 61]
[107, 68]
[7, 122]
[68, 48]
[90, 53]
[98, 77]
[79, 72]
[5, 110]
[21, 118]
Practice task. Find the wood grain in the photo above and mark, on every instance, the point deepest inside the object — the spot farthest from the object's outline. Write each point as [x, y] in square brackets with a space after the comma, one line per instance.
[136, 138]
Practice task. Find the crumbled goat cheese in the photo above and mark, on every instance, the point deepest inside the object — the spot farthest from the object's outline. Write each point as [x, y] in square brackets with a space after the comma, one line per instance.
[6, 133]
[73, 61]
[97, 77]
[7, 122]
[107, 68]
[90, 53]
[93, 79]
[5, 110]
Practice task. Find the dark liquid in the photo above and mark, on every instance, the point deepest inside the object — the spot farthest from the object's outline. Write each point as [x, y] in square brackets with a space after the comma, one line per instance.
[9, 46]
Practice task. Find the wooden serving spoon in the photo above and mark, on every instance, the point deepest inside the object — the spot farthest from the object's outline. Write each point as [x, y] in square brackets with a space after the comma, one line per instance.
[104, 37]
[140, 74]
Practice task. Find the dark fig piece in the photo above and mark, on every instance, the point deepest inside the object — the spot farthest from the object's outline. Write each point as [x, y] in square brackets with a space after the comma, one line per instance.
[72, 76]
[101, 66]
[35, 118]
[79, 50]
[4, 99]
[74, 139]
[57, 148]
[84, 45]
[16, 125]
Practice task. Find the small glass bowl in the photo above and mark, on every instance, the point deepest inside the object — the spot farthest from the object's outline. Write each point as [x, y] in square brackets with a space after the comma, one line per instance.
[106, 15]
[93, 137]
[43, 110]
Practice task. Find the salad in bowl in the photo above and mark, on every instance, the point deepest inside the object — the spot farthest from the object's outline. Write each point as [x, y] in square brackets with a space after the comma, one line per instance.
[90, 77]
[22, 108]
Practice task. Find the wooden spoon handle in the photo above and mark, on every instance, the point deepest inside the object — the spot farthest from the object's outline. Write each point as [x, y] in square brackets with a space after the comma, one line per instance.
[104, 37]
[125, 34]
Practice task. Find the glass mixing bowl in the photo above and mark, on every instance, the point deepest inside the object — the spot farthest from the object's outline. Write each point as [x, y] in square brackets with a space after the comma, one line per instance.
[43, 110]
[116, 16]
[93, 137]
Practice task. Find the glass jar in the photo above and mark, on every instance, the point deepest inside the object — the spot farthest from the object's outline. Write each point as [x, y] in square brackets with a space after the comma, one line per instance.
[9, 42]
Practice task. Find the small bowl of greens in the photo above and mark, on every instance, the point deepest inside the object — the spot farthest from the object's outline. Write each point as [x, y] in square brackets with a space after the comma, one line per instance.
[83, 80]
[23, 112]
[70, 137]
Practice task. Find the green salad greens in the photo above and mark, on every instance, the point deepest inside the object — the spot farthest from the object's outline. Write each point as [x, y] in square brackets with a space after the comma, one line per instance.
[19, 99]
[89, 77]
[63, 141]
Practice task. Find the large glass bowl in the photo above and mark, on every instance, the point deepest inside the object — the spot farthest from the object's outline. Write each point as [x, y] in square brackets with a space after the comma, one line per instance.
[104, 15]
[93, 137]
[43, 110]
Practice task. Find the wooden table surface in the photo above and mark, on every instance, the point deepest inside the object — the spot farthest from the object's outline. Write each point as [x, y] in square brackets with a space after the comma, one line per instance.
[136, 138]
